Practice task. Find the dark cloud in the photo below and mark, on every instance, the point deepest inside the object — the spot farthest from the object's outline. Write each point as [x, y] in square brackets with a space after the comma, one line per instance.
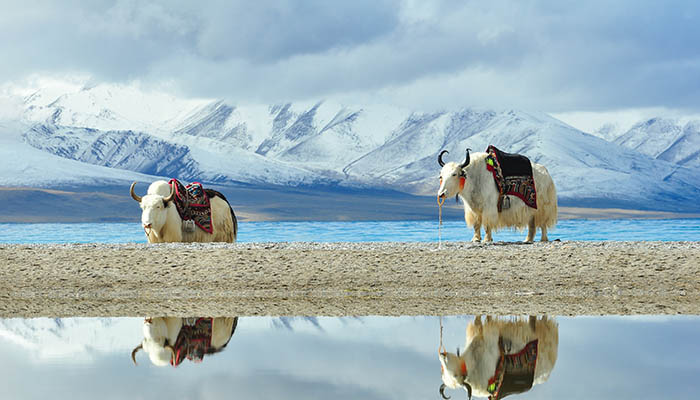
[551, 56]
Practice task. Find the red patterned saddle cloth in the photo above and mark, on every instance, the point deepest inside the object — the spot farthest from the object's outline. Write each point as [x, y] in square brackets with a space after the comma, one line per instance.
[512, 174]
[192, 203]
[193, 341]
[515, 373]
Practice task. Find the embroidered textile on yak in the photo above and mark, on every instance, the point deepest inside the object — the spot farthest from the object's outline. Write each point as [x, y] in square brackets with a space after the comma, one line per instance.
[512, 174]
[192, 203]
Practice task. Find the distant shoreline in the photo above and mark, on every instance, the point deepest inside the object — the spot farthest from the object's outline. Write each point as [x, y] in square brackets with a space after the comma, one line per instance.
[565, 213]
[347, 279]
[113, 204]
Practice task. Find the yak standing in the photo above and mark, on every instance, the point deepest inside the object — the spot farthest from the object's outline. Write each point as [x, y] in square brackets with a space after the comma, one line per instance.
[501, 356]
[501, 190]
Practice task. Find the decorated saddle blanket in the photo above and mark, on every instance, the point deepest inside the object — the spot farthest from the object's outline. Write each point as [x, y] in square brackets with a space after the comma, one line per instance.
[512, 174]
[515, 373]
[193, 341]
[192, 203]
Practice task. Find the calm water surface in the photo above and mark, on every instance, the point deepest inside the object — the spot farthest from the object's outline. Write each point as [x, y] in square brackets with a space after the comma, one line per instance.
[339, 358]
[363, 231]
[652, 357]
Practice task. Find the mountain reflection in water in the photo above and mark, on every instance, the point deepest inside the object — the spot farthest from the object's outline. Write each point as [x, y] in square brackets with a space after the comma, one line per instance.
[361, 357]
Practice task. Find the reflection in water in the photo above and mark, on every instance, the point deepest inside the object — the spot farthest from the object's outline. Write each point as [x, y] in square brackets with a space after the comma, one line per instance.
[341, 358]
[171, 340]
[502, 356]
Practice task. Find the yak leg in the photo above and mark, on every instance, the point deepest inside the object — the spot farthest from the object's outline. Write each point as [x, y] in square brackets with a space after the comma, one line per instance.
[531, 230]
[488, 238]
[544, 234]
[477, 232]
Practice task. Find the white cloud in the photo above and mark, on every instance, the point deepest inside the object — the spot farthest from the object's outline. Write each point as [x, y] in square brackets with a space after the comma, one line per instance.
[556, 57]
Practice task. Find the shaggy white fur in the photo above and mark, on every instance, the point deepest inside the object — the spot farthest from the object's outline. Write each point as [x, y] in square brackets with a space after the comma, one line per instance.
[481, 352]
[163, 224]
[480, 197]
[161, 331]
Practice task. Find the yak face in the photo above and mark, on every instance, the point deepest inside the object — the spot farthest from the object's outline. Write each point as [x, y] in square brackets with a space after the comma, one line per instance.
[156, 341]
[154, 205]
[159, 354]
[452, 180]
[454, 370]
[153, 213]
[454, 373]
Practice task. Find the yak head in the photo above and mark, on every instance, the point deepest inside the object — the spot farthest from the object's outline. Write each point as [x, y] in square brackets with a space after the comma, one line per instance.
[452, 176]
[454, 373]
[154, 205]
[156, 340]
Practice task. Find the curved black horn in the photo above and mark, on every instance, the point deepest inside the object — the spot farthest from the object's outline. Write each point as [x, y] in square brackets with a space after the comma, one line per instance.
[442, 163]
[442, 392]
[134, 195]
[133, 353]
[466, 160]
[469, 391]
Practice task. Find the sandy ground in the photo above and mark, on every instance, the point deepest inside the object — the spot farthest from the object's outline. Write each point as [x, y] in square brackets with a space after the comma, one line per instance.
[342, 279]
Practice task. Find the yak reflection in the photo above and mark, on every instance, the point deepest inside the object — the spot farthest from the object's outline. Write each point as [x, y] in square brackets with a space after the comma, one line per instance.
[502, 356]
[171, 340]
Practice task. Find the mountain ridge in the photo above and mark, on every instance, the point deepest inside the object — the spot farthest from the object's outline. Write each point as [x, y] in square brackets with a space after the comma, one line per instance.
[364, 147]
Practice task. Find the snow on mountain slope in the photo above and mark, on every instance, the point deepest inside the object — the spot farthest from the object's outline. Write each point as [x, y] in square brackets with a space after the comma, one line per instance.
[686, 149]
[23, 165]
[665, 139]
[582, 166]
[418, 137]
[220, 162]
[126, 150]
[350, 134]
[329, 143]
[106, 107]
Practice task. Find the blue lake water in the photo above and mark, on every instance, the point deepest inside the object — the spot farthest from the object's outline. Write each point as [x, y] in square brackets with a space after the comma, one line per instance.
[364, 231]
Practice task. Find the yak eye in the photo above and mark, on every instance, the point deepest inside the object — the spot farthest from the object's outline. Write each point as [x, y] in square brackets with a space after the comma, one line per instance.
[454, 174]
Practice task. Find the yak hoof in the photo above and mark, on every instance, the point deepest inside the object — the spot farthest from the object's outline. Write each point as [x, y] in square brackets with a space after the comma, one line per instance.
[476, 239]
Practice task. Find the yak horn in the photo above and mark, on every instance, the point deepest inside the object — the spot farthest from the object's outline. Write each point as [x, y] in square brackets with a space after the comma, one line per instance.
[442, 392]
[466, 160]
[172, 193]
[134, 195]
[442, 163]
[133, 353]
[172, 352]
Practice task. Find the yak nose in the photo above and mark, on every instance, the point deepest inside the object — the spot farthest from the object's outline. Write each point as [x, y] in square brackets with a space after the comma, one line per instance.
[147, 226]
[442, 193]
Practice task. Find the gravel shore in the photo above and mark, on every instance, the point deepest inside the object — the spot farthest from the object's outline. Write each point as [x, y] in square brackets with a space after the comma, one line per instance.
[345, 279]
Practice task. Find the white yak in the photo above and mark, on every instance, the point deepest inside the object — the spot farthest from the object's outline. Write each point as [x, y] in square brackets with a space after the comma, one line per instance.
[486, 367]
[474, 184]
[161, 334]
[162, 222]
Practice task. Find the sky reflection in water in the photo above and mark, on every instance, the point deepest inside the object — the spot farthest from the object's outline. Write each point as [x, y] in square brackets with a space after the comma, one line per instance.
[365, 357]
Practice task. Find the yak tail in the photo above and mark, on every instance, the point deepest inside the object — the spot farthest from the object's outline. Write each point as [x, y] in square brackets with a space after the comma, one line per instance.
[213, 193]
[547, 205]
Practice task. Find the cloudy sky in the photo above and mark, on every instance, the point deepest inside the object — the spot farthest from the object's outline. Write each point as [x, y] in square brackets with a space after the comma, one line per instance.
[350, 358]
[553, 56]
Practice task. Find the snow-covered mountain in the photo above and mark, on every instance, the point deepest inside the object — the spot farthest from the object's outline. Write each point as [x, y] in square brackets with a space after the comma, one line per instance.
[122, 128]
[665, 139]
